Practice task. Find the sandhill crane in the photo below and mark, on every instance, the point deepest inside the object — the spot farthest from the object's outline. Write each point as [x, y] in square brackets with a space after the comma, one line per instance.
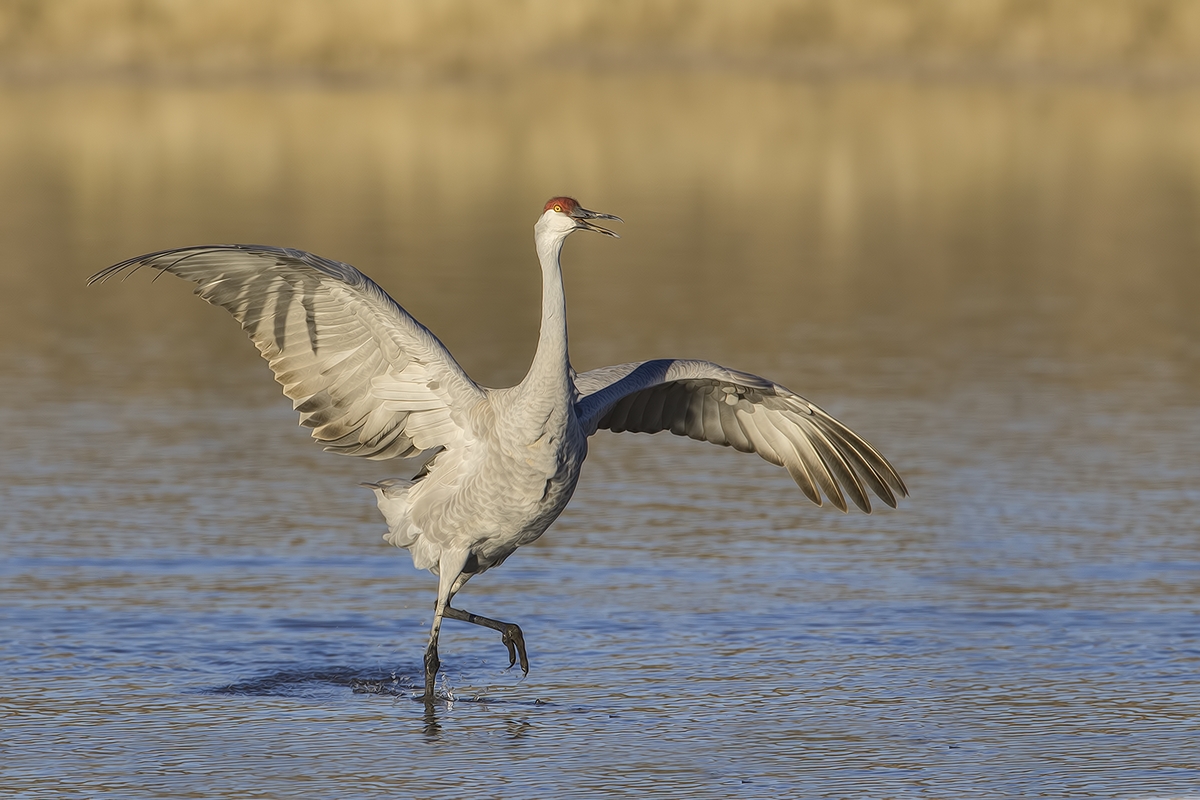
[373, 382]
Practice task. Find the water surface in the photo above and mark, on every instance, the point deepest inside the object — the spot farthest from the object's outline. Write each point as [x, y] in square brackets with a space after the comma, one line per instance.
[995, 284]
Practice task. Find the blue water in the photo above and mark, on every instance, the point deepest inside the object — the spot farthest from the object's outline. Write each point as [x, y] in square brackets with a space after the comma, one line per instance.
[217, 615]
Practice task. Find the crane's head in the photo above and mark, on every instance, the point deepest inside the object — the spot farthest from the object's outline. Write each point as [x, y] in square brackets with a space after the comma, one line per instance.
[564, 214]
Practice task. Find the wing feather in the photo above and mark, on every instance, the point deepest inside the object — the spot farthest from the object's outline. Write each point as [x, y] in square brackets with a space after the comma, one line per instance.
[825, 465]
[639, 407]
[675, 408]
[694, 417]
[710, 415]
[763, 442]
[620, 413]
[868, 465]
[731, 427]
[712, 403]
[653, 412]
[363, 374]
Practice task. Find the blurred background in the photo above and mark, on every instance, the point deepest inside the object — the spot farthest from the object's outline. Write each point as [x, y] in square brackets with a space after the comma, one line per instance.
[798, 161]
[382, 39]
[969, 229]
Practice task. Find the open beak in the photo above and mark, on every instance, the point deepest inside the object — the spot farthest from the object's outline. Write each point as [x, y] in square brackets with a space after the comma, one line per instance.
[582, 215]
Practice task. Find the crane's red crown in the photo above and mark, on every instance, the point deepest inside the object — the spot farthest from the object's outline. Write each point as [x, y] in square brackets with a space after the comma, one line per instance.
[563, 205]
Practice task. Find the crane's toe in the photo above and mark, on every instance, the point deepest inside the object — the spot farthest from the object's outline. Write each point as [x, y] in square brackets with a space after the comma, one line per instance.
[514, 640]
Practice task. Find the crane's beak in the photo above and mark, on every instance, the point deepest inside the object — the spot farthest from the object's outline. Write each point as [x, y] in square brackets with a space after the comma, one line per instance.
[582, 215]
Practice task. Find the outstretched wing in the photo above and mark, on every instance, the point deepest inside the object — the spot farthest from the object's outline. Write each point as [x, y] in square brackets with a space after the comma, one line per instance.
[369, 379]
[714, 404]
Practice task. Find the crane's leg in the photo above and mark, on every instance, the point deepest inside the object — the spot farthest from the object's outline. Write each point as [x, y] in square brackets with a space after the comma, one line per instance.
[450, 566]
[511, 634]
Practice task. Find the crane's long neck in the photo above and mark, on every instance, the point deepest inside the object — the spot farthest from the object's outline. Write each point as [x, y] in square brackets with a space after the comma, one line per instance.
[549, 374]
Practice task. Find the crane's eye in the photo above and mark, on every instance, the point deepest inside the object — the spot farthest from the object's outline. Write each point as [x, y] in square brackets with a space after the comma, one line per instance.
[558, 207]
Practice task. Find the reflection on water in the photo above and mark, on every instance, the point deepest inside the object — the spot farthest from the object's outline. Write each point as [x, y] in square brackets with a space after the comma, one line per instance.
[995, 284]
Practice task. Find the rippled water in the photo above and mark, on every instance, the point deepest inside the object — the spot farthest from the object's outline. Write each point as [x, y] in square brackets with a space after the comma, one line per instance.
[996, 285]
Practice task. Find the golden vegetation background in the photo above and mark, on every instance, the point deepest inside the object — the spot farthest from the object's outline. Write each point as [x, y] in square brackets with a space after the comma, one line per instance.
[834, 182]
[1155, 38]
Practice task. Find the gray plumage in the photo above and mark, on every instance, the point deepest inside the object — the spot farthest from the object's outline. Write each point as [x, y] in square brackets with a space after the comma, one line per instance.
[371, 381]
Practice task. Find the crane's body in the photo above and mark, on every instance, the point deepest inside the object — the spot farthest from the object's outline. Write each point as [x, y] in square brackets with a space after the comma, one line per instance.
[373, 382]
[502, 490]
[490, 498]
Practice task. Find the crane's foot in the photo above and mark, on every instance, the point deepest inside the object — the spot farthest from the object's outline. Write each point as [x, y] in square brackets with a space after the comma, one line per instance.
[510, 635]
[432, 664]
[514, 640]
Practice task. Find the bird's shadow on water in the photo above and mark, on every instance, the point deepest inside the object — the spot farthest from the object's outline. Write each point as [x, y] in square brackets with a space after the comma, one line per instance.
[309, 681]
[313, 682]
